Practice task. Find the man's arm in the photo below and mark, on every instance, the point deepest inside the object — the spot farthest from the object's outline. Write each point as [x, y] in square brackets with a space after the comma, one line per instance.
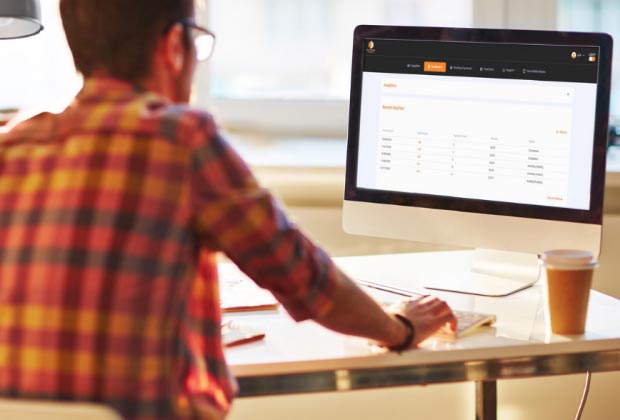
[353, 312]
[238, 217]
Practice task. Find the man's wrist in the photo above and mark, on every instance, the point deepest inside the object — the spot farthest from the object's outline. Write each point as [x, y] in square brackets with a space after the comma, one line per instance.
[409, 337]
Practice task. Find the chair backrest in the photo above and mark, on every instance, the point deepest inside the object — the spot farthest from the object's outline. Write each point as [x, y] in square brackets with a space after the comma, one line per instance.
[37, 410]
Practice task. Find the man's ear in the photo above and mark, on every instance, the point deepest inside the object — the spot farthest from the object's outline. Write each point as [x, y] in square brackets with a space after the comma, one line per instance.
[174, 49]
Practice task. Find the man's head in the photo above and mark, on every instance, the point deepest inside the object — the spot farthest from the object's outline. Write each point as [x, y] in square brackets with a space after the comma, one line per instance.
[139, 41]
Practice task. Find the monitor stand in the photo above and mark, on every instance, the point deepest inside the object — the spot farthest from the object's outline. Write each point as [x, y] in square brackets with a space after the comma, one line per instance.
[493, 273]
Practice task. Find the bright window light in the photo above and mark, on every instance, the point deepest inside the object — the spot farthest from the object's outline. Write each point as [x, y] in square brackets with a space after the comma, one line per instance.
[598, 16]
[301, 50]
[38, 72]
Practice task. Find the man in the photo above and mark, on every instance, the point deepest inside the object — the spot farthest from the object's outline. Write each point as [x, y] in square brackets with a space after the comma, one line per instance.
[110, 215]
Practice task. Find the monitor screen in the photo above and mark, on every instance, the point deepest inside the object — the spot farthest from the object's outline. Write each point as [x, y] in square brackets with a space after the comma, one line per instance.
[455, 132]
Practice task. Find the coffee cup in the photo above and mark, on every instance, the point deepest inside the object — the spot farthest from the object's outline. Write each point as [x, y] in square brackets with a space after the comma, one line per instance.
[568, 282]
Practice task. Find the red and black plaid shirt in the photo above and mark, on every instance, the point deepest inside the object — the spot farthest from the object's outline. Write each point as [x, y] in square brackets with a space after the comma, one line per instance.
[110, 215]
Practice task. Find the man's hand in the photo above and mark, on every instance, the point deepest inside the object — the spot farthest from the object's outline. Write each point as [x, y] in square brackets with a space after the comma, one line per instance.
[354, 312]
[427, 314]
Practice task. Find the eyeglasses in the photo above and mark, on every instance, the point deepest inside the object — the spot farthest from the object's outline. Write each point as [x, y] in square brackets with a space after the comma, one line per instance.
[204, 40]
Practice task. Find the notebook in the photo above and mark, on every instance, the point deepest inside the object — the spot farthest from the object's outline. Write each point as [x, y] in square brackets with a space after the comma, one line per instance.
[239, 293]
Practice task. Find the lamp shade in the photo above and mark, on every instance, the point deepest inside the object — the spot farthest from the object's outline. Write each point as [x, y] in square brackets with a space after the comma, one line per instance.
[19, 18]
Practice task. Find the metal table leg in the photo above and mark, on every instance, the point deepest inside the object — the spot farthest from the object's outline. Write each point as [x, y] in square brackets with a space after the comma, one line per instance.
[486, 400]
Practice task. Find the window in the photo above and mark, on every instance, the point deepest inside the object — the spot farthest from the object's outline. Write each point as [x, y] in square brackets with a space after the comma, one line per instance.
[299, 49]
[599, 16]
[283, 65]
[38, 72]
[274, 53]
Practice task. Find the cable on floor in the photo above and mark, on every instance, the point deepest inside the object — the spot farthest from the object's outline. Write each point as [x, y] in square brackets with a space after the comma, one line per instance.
[584, 396]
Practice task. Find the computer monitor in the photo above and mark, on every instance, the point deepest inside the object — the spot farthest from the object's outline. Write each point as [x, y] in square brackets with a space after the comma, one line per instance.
[490, 139]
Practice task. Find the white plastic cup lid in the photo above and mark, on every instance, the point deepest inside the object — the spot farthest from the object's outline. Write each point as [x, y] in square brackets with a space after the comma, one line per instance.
[568, 258]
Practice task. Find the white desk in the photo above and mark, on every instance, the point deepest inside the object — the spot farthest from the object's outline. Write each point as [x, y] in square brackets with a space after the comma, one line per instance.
[304, 357]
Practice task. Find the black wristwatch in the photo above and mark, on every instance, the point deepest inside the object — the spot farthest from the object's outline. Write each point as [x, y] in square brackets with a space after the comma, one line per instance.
[408, 338]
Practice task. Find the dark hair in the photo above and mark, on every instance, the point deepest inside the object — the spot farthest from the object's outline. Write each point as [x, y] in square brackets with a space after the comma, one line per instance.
[118, 36]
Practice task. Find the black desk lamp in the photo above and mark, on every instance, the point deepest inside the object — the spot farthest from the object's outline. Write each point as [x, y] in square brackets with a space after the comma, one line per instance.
[19, 18]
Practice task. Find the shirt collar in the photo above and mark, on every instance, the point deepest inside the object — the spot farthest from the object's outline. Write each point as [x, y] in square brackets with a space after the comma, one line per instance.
[110, 89]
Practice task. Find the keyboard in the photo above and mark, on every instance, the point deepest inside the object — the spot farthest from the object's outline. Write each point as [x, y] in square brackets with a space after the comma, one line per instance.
[469, 321]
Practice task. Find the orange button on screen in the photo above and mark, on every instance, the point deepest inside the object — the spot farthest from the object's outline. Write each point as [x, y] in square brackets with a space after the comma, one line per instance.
[435, 66]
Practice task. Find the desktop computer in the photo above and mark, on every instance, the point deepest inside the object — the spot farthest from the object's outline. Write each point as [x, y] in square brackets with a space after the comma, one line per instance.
[489, 139]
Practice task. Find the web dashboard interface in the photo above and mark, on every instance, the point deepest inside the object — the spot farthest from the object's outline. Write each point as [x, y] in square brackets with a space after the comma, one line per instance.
[502, 122]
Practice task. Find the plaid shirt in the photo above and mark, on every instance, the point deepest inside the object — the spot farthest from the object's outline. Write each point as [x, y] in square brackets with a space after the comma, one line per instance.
[110, 216]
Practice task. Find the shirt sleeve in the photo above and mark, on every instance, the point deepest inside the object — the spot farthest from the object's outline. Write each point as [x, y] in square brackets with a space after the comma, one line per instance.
[233, 214]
